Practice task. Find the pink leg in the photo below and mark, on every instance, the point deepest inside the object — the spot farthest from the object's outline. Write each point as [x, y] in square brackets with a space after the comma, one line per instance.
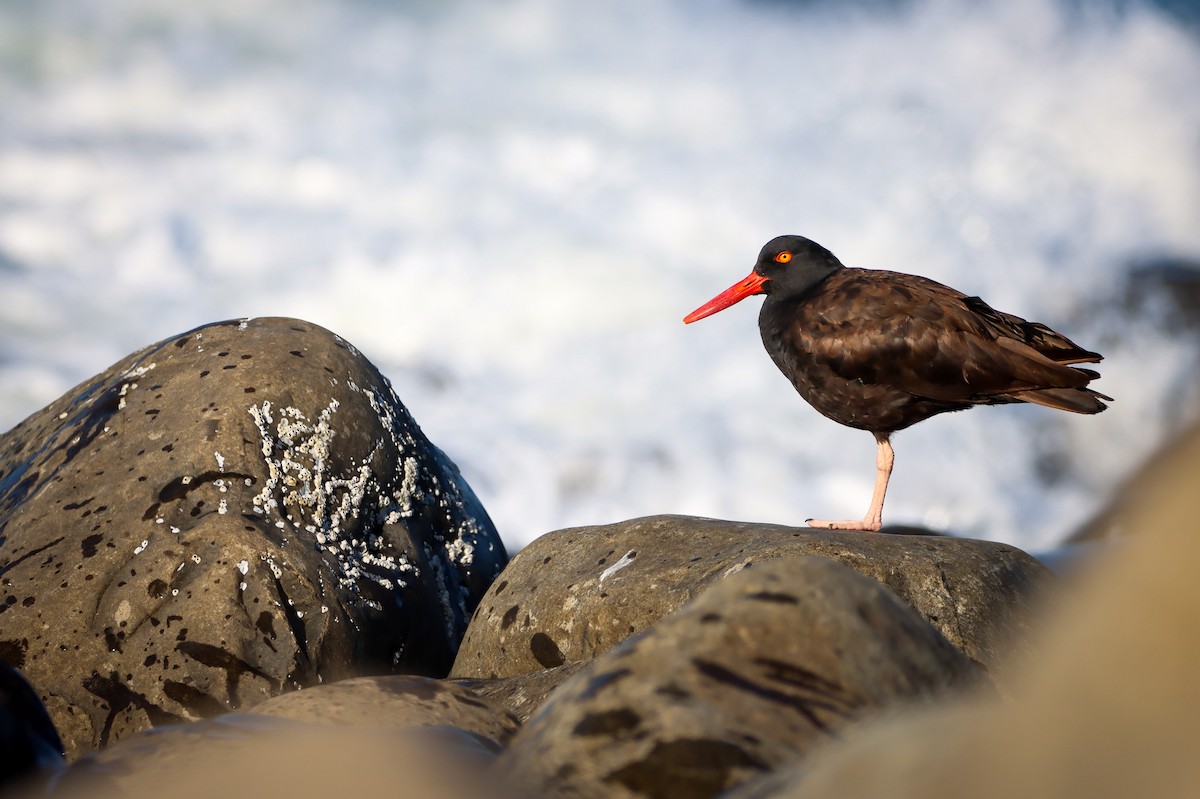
[874, 518]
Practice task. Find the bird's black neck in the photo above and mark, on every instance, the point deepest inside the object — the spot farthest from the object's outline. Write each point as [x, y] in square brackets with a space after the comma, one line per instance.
[795, 285]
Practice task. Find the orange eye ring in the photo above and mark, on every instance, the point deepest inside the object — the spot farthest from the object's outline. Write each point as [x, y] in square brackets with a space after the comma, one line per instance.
[783, 257]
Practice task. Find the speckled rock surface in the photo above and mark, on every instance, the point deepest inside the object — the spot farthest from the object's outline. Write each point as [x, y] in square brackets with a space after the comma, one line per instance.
[397, 702]
[572, 594]
[228, 514]
[523, 694]
[757, 670]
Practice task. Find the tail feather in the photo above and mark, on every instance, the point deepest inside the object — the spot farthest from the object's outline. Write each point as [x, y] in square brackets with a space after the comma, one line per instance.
[1076, 400]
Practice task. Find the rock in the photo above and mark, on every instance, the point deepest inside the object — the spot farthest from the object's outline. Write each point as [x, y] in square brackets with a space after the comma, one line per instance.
[1109, 709]
[758, 669]
[1148, 488]
[241, 755]
[397, 702]
[523, 694]
[29, 744]
[572, 594]
[231, 513]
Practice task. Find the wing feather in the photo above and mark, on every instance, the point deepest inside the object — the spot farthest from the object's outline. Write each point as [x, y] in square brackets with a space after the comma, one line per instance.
[926, 339]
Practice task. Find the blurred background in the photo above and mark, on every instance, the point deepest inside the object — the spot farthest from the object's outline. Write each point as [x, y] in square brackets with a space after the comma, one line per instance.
[509, 206]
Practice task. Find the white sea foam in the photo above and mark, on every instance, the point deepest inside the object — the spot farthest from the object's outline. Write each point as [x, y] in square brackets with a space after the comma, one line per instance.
[509, 207]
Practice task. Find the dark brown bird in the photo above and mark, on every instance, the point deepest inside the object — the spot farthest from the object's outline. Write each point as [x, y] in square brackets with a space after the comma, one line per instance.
[881, 351]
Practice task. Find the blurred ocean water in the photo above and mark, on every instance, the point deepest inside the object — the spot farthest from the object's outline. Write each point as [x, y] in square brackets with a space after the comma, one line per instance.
[508, 206]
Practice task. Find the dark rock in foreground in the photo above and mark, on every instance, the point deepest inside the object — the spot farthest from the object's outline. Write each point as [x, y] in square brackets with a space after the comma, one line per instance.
[226, 515]
[29, 744]
[572, 594]
[242, 755]
[761, 667]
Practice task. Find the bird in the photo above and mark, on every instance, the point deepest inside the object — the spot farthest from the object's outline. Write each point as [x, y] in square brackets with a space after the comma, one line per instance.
[880, 351]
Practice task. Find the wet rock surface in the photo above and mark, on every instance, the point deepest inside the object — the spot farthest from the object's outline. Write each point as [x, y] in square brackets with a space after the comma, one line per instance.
[761, 667]
[228, 514]
[571, 595]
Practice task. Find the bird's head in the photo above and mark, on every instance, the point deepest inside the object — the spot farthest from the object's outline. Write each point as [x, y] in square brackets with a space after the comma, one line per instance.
[786, 265]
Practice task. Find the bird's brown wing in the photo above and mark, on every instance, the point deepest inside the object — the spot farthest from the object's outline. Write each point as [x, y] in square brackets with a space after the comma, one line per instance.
[920, 337]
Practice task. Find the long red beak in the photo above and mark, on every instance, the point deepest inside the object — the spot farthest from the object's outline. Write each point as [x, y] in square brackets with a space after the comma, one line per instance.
[734, 294]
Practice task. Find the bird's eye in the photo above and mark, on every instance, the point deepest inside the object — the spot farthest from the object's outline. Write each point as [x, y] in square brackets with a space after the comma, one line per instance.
[783, 257]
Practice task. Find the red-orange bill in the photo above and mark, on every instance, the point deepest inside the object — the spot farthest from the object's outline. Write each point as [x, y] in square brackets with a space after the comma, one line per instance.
[734, 294]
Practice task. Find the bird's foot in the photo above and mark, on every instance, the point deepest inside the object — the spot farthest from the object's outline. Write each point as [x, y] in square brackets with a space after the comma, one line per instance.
[869, 525]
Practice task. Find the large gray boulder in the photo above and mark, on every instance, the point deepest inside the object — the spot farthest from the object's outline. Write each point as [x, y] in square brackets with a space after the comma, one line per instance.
[226, 515]
[571, 595]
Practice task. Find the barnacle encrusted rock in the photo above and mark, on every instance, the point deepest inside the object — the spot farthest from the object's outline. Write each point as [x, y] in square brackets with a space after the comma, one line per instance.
[223, 516]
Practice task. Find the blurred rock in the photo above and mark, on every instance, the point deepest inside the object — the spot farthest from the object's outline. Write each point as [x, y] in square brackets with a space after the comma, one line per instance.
[572, 594]
[29, 744]
[226, 515]
[1151, 487]
[1110, 708]
[244, 756]
[397, 702]
[762, 666]
[1165, 289]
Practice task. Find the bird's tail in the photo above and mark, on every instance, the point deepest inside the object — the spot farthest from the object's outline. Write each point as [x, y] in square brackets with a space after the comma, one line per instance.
[1076, 400]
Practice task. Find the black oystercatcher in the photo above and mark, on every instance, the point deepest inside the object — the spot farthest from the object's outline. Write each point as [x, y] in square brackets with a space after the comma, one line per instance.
[883, 350]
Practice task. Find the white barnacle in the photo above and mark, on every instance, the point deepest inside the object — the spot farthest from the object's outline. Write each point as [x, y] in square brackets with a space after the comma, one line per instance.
[625, 560]
[461, 551]
[140, 371]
